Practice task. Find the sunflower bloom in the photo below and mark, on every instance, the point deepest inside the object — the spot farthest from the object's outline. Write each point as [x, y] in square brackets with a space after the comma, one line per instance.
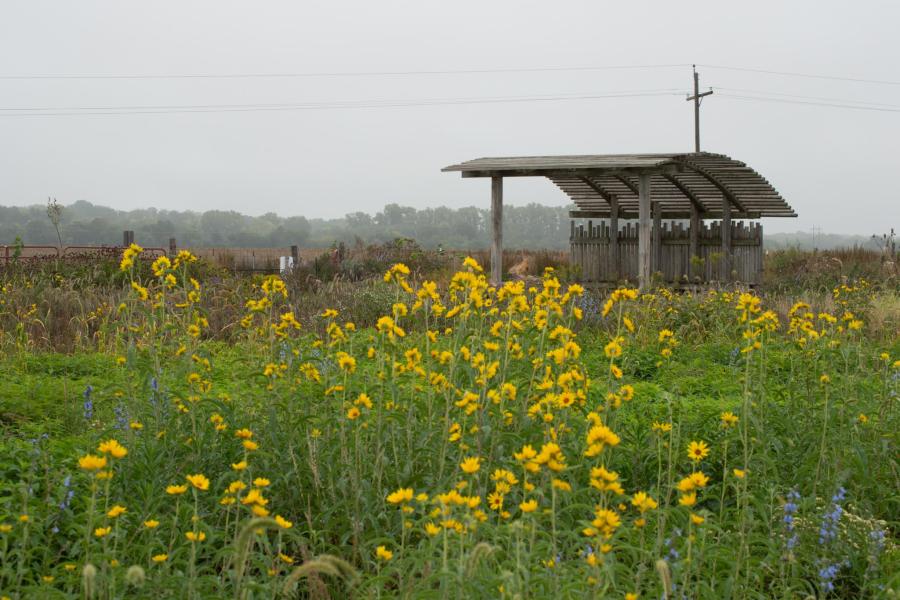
[199, 481]
[697, 451]
[470, 465]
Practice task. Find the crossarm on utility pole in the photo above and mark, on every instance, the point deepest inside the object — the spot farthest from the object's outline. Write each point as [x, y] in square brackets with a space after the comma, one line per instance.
[696, 98]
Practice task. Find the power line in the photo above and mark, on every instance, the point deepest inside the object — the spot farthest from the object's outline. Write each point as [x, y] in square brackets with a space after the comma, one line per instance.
[804, 75]
[210, 108]
[809, 103]
[385, 73]
[337, 73]
[841, 100]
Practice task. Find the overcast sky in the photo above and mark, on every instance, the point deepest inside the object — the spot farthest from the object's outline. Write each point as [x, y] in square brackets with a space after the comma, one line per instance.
[837, 167]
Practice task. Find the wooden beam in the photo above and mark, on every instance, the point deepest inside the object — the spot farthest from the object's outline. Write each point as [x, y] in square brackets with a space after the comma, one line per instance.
[694, 234]
[726, 242]
[695, 201]
[573, 172]
[627, 183]
[596, 188]
[656, 262]
[644, 231]
[726, 192]
[497, 227]
[603, 213]
[613, 269]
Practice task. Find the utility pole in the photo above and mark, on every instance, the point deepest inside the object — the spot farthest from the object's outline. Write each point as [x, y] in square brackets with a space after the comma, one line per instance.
[815, 235]
[696, 98]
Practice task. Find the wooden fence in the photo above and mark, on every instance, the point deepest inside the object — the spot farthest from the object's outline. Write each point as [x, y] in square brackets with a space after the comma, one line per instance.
[590, 250]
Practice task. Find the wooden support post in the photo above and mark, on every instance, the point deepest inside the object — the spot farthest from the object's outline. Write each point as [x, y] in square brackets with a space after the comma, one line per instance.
[127, 237]
[694, 234]
[726, 240]
[295, 254]
[656, 263]
[173, 246]
[613, 239]
[644, 231]
[497, 226]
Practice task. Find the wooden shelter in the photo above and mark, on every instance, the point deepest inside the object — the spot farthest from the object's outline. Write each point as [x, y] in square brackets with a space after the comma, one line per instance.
[686, 189]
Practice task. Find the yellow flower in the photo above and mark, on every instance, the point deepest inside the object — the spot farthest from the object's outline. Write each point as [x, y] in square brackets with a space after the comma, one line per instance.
[176, 490]
[697, 519]
[643, 502]
[282, 522]
[688, 499]
[254, 496]
[561, 485]
[346, 362]
[90, 462]
[353, 413]
[239, 466]
[250, 445]
[661, 427]
[261, 482]
[631, 596]
[863, 418]
[195, 537]
[113, 448]
[160, 558]
[244, 434]
[472, 264]
[24, 518]
[102, 531]
[151, 523]
[285, 558]
[432, 529]
[470, 465]
[697, 451]
[400, 496]
[739, 473]
[363, 400]
[729, 419]
[613, 349]
[528, 506]
[116, 511]
[199, 481]
[616, 371]
[699, 479]
[383, 553]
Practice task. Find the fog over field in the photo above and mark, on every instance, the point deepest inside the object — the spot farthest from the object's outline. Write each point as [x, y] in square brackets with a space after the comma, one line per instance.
[532, 226]
[174, 105]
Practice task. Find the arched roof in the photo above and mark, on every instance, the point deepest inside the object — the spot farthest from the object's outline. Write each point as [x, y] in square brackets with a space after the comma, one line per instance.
[678, 182]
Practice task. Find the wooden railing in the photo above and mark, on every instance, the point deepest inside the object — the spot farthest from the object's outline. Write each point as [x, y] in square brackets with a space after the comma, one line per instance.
[590, 250]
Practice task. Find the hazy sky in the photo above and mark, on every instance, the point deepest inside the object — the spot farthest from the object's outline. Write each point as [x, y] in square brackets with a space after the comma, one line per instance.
[837, 167]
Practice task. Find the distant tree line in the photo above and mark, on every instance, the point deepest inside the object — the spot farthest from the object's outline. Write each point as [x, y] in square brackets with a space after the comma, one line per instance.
[83, 223]
[530, 226]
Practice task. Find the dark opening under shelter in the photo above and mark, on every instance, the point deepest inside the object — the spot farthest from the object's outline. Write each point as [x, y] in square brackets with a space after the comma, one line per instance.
[688, 209]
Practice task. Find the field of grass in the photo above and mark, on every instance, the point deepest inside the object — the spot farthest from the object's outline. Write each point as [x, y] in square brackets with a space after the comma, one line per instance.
[177, 433]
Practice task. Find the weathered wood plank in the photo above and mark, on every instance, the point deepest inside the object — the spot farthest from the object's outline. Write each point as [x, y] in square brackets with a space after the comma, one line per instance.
[644, 232]
[497, 230]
